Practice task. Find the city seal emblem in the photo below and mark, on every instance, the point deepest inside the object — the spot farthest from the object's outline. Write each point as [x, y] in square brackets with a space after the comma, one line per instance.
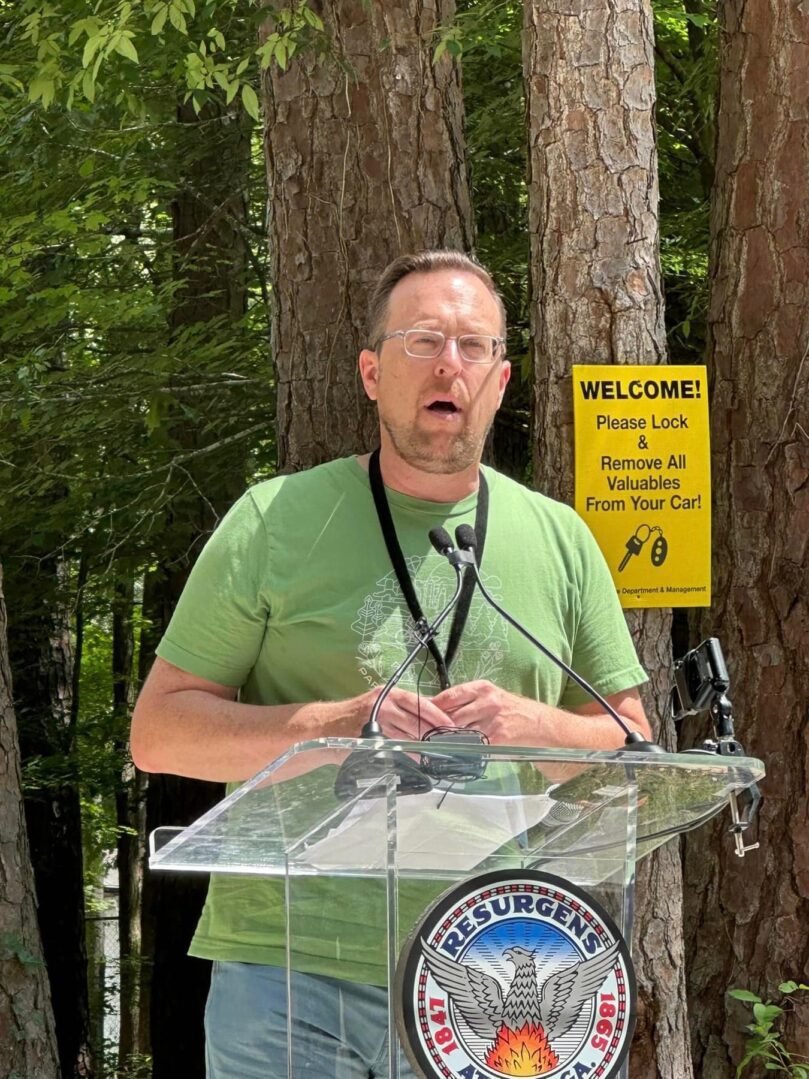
[515, 973]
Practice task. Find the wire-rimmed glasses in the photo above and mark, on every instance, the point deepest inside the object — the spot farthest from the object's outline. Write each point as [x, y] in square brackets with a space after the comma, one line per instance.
[429, 344]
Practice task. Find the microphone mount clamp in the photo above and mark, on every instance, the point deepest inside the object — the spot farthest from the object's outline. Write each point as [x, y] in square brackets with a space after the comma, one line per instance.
[701, 682]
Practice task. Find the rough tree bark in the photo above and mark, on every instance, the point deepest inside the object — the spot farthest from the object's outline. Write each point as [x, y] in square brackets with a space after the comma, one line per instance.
[758, 908]
[129, 815]
[27, 1034]
[365, 161]
[42, 659]
[596, 298]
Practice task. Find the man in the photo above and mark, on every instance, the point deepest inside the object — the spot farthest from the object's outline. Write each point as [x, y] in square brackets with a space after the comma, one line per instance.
[295, 606]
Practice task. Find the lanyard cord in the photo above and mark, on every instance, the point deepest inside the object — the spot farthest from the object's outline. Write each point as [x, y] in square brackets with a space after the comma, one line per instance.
[397, 559]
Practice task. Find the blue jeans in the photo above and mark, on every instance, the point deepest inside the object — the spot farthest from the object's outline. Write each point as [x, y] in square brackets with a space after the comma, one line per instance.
[340, 1030]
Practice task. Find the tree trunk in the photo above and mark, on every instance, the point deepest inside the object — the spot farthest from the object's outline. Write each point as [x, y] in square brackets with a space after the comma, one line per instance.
[597, 298]
[759, 342]
[130, 817]
[27, 1033]
[174, 985]
[365, 161]
[42, 660]
[209, 219]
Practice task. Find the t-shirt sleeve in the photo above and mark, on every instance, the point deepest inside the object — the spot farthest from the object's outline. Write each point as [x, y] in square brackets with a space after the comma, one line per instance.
[219, 622]
[603, 652]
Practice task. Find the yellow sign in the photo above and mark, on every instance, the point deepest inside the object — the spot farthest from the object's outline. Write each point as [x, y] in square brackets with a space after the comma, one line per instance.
[643, 479]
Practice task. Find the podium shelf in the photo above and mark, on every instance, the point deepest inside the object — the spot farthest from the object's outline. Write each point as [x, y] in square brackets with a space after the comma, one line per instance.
[354, 808]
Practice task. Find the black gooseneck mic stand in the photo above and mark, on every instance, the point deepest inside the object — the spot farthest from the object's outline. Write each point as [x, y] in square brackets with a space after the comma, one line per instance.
[467, 542]
[458, 560]
[362, 770]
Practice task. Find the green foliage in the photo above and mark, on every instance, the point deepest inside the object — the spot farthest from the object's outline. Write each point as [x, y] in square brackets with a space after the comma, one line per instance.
[686, 38]
[209, 49]
[489, 33]
[135, 1066]
[766, 1045]
[127, 386]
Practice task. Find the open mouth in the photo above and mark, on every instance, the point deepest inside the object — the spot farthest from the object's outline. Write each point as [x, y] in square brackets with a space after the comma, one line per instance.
[447, 407]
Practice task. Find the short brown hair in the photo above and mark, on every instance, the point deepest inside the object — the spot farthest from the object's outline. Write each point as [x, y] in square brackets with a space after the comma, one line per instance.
[424, 262]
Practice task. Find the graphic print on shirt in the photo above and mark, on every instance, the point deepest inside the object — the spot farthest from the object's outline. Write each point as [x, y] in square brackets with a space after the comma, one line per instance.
[387, 634]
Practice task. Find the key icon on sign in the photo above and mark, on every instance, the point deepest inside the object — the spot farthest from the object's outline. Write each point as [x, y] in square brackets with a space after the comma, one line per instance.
[634, 544]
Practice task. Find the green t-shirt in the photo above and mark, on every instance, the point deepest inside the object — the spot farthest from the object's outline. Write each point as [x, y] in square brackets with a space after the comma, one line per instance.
[294, 599]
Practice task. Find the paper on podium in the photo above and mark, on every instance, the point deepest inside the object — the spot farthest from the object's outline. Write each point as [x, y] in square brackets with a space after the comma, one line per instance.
[437, 831]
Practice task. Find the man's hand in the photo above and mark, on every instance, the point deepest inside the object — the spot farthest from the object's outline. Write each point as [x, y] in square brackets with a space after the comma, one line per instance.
[502, 716]
[508, 719]
[406, 716]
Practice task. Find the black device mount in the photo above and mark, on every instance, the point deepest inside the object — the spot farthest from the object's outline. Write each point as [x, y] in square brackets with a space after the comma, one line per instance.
[701, 682]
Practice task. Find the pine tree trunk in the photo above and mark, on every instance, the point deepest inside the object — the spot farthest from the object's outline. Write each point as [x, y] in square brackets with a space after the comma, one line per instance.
[757, 908]
[130, 817]
[365, 162]
[597, 298]
[41, 658]
[174, 985]
[27, 1034]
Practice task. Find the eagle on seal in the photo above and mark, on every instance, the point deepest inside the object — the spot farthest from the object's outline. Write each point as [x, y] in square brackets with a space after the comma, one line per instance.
[479, 998]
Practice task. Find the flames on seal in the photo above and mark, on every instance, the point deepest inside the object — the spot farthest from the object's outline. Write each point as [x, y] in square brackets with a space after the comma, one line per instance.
[521, 1052]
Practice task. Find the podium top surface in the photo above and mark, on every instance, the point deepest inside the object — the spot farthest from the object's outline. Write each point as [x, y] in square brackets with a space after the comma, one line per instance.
[357, 807]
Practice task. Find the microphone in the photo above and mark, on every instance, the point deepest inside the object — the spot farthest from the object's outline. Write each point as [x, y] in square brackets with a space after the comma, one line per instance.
[439, 537]
[361, 770]
[467, 540]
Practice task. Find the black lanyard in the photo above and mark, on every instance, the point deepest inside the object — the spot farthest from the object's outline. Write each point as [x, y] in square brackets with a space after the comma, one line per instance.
[442, 663]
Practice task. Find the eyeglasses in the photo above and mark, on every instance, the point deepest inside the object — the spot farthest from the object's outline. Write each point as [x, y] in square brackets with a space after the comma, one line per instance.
[429, 344]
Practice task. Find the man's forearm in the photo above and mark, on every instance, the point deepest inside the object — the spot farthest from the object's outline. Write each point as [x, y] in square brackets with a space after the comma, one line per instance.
[555, 728]
[198, 734]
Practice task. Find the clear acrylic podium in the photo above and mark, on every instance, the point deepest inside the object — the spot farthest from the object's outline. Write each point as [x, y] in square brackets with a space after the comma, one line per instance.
[392, 844]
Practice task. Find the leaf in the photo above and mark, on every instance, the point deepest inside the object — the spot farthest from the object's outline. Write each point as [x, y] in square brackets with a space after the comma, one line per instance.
[177, 19]
[233, 89]
[787, 987]
[91, 46]
[281, 54]
[440, 49]
[766, 1013]
[159, 21]
[86, 167]
[41, 88]
[312, 18]
[88, 86]
[250, 101]
[744, 994]
[124, 46]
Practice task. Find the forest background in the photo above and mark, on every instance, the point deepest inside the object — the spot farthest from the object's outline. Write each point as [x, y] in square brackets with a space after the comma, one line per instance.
[196, 199]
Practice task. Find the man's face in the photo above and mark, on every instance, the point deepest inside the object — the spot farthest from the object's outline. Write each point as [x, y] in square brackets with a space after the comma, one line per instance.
[435, 414]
